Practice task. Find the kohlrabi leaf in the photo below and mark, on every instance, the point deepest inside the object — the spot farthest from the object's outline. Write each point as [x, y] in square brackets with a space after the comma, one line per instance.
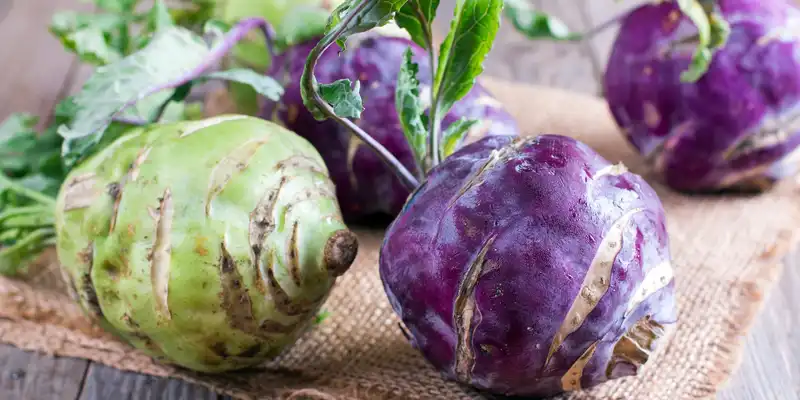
[351, 17]
[262, 84]
[368, 14]
[89, 36]
[192, 14]
[416, 17]
[170, 55]
[117, 6]
[712, 34]
[535, 24]
[15, 125]
[69, 21]
[461, 55]
[303, 23]
[410, 109]
[472, 33]
[454, 134]
[346, 100]
[159, 17]
[174, 57]
[91, 46]
[17, 138]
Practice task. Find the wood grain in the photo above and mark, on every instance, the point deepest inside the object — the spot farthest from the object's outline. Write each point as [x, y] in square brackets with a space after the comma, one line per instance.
[29, 375]
[103, 383]
[770, 367]
[35, 67]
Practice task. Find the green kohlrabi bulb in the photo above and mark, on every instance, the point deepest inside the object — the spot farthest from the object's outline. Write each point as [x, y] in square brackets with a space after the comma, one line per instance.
[208, 244]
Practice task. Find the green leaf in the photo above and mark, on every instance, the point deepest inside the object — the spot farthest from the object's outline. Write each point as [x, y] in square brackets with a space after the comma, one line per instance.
[91, 46]
[368, 14]
[263, 84]
[454, 135]
[64, 22]
[321, 316]
[89, 36]
[409, 107]
[142, 84]
[303, 23]
[461, 56]
[346, 100]
[117, 6]
[416, 17]
[17, 139]
[172, 53]
[245, 99]
[16, 124]
[351, 17]
[712, 34]
[720, 31]
[193, 111]
[16, 258]
[193, 14]
[159, 17]
[536, 24]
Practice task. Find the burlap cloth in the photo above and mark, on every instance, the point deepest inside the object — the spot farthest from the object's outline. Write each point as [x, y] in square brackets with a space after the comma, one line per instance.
[727, 253]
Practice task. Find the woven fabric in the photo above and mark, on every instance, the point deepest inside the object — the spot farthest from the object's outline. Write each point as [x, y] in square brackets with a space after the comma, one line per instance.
[727, 252]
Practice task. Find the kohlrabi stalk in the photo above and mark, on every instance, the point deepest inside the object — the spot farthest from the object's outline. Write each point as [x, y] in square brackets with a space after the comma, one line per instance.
[461, 55]
[358, 17]
[25, 229]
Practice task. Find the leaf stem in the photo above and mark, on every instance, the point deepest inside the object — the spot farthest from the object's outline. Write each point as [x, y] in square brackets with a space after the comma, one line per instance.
[130, 120]
[16, 212]
[432, 142]
[309, 81]
[28, 243]
[23, 191]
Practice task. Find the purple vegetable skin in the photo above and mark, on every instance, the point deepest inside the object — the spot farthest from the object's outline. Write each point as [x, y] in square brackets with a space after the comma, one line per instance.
[531, 266]
[737, 128]
[364, 185]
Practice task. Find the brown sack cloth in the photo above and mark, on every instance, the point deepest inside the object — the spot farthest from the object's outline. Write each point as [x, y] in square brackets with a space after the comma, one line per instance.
[727, 253]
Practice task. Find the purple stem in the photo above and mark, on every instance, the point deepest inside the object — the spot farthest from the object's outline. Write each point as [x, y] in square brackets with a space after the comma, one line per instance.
[308, 80]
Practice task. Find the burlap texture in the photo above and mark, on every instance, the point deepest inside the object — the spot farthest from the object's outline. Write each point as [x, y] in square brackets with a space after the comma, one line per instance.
[727, 253]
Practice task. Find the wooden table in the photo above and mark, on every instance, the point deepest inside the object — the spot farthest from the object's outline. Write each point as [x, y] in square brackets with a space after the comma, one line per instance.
[36, 72]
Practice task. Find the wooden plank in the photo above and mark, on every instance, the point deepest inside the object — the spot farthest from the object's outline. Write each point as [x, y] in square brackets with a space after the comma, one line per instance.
[770, 367]
[35, 67]
[108, 383]
[29, 375]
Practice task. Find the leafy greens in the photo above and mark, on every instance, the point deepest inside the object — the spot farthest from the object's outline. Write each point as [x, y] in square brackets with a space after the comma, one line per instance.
[147, 86]
[460, 60]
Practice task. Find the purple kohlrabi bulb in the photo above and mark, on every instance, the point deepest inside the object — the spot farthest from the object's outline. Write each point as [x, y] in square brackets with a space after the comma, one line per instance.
[364, 185]
[531, 266]
[738, 127]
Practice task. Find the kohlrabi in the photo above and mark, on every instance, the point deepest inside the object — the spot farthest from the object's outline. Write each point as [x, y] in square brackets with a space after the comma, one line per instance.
[364, 185]
[209, 244]
[732, 127]
[518, 265]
